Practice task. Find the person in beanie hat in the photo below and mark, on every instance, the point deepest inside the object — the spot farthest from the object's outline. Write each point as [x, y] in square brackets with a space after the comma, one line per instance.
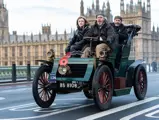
[77, 42]
[122, 36]
[120, 29]
[101, 29]
[100, 15]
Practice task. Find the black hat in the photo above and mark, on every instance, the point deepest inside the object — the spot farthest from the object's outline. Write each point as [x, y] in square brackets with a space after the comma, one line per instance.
[99, 14]
[118, 17]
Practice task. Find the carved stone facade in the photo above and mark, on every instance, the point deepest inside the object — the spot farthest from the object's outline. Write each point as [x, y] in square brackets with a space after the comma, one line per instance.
[28, 52]
[145, 44]
[92, 12]
[23, 49]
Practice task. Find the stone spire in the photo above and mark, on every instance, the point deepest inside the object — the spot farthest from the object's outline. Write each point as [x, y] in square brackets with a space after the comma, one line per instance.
[122, 7]
[144, 7]
[82, 8]
[1, 2]
[131, 6]
[108, 11]
[97, 6]
[148, 5]
[93, 4]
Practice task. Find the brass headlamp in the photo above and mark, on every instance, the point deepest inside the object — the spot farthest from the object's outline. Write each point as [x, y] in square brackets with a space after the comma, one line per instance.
[51, 54]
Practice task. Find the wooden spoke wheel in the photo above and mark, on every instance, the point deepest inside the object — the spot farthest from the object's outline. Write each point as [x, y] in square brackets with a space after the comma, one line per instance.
[88, 93]
[102, 87]
[43, 96]
[140, 83]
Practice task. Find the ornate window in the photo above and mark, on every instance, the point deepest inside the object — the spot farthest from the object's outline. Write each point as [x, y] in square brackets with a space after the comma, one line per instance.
[61, 50]
[44, 51]
[28, 51]
[13, 51]
[20, 51]
[36, 51]
[6, 52]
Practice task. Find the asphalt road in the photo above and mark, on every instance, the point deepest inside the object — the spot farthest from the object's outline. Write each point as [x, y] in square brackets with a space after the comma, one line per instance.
[16, 103]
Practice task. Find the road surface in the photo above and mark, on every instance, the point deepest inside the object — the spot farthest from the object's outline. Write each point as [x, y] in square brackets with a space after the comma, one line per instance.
[16, 103]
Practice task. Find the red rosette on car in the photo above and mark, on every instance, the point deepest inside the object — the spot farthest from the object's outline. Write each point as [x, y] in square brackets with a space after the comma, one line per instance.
[63, 61]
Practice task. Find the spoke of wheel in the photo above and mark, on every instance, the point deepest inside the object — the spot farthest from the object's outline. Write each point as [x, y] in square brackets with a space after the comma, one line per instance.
[40, 87]
[41, 91]
[40, 84]
[108, 85]
[43, 76]
[141, 82]
[103, 77]
[50, 92]
[46, 77]
[47, 95]
[107, 79]
[42, 95]
[104, 97]
[41, 80]
[101, 95]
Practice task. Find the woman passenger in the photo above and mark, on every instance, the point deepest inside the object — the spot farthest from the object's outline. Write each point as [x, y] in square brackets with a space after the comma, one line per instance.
[77, 41]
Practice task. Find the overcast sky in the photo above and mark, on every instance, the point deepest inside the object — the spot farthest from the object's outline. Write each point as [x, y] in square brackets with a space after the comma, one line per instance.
[27, 16]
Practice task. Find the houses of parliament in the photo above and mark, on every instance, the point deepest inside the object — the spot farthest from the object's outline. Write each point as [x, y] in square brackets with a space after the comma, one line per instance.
[23, 49]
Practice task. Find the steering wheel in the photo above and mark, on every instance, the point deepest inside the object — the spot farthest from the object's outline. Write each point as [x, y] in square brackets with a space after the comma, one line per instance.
[76, 53]
[91, 38]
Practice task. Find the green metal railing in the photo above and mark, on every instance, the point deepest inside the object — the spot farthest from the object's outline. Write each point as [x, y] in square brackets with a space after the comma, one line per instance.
[16, 73]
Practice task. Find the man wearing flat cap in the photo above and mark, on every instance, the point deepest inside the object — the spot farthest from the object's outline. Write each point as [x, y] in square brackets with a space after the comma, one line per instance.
[103, 30]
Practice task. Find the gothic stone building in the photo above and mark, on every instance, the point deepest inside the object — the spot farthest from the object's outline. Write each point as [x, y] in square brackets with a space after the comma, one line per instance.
[146, 43]
[23, 49]
[91, 12]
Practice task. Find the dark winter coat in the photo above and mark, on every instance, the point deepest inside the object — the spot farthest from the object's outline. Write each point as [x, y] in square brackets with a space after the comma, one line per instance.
[121, 31]
[77, 39]
[105, 31]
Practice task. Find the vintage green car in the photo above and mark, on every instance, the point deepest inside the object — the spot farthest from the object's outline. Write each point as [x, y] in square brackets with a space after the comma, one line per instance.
[97, 78]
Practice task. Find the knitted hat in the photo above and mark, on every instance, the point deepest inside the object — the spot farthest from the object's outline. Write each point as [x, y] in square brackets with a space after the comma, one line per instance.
[100, 15]
[118, 17]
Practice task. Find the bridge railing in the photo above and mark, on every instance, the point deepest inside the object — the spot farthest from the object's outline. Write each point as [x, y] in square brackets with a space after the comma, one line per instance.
[17, 73]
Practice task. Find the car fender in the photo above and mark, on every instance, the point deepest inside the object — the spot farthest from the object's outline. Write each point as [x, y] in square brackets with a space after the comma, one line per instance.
[130, 74]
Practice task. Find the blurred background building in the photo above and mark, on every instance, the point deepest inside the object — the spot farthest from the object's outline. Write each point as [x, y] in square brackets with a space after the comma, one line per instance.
[23, 49]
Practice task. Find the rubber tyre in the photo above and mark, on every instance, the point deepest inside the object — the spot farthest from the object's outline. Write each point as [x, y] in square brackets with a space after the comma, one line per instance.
[87, 93]
[36, 96]
[96, 86]
[140, 95]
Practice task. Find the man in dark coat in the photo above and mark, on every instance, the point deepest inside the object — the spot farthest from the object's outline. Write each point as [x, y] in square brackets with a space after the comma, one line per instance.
[122, 36]
[120, 29]
[104, 30]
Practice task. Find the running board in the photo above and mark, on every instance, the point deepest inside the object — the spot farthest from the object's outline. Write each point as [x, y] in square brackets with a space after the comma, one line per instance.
[120, 92]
